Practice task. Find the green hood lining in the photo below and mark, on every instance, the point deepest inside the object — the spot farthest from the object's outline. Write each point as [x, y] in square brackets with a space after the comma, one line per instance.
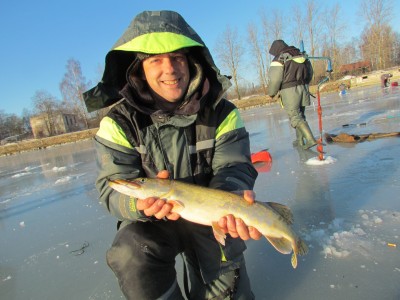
[158, 43]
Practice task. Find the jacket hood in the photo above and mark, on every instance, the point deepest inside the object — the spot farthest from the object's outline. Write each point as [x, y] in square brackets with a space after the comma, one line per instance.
[150, 32]
[277, 47]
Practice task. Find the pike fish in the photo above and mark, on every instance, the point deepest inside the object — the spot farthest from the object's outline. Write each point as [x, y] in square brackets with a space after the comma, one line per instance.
[206, 206]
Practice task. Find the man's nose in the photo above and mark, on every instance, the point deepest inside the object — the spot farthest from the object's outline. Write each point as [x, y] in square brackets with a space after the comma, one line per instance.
[168, 65]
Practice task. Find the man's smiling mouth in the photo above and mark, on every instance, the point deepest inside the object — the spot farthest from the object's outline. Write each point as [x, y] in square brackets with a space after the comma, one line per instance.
[170, 82]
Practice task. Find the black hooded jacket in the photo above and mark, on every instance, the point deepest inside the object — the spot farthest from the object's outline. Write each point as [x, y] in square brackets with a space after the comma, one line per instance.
[202, 141]
[289, 67]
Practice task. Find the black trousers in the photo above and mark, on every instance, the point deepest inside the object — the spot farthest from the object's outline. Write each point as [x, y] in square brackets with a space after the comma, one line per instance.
[143, 255]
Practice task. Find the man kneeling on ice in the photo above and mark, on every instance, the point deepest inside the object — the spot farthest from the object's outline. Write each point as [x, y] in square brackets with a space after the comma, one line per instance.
[171, 117]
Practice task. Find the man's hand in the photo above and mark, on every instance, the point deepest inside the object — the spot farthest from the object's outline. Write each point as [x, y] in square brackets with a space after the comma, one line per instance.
[236, 227]
[156, 207]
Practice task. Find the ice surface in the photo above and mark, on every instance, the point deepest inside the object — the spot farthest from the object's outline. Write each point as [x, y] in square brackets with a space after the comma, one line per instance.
[346, 208]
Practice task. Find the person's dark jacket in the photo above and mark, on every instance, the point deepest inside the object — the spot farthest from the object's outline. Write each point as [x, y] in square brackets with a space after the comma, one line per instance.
[289, 68]
[202, 141]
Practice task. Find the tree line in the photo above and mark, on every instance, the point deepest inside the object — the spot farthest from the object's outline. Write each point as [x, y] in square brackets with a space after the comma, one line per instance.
[321, 28]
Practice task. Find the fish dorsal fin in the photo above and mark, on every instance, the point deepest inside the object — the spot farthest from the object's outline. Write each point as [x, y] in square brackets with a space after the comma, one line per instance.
[281, 244]
[283, 211]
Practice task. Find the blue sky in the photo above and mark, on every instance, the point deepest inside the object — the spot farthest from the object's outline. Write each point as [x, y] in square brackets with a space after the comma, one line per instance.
[38, 37]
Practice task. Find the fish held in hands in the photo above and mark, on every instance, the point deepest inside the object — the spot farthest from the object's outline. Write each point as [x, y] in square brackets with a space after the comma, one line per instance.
[206, 206]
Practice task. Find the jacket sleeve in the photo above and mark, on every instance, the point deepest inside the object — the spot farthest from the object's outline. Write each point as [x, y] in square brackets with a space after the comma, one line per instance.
[310, 71]
[116, 159]
[232, 167]
[275, 78]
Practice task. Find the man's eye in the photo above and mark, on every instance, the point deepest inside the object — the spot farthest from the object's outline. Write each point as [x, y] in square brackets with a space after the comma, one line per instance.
[179, 58]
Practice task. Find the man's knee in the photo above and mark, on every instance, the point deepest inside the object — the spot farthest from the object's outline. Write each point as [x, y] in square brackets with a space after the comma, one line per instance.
[234, 284]
[144, 266]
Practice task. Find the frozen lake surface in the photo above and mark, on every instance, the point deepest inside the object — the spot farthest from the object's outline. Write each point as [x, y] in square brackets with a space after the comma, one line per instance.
[54, 232]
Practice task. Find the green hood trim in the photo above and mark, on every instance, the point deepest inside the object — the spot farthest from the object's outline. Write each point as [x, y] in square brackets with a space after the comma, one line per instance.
[158, 43]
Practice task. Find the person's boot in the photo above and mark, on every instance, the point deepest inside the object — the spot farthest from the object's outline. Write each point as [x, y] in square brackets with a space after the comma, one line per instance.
[306, 154]
[299, 142]
[307, 134]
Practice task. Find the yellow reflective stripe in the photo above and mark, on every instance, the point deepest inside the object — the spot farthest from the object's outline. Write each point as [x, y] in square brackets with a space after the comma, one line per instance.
[299, 60]
[223, 257]
[158, 42]
[276, 64]
[232, 121]
[112, 132]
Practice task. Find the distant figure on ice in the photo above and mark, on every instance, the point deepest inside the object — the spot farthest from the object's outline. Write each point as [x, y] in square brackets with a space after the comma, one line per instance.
[342, 89]
[290, 73]
[385, 79]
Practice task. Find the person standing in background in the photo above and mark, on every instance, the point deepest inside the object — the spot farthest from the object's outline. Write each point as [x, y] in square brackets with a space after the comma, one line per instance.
[290, 74]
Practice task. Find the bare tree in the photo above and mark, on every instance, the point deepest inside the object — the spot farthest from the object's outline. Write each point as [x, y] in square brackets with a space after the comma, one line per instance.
[49, 106]
[3, 129]
[377, 38]
[334, 31]
[298, 27]
[230, 51]
[349, 52]
[313, 25]
[26, 115]
[258, 56]
[11, 125]
[396, 49]
[72, 87]
[266, 38]
[277, 25]
[272, 29]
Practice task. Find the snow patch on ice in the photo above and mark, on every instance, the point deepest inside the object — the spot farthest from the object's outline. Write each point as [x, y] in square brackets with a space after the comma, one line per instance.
[63, 180]
[5, 201]
[59, 169]
[340, 239]
[31, 168]
[69, 178]
[21, 174]
[315, 161]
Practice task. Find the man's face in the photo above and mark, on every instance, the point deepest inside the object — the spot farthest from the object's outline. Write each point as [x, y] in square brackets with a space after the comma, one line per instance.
[167, 75]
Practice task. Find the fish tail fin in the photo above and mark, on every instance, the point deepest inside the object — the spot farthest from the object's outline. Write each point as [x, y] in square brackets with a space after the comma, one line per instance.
[294, 260]
[301, 249]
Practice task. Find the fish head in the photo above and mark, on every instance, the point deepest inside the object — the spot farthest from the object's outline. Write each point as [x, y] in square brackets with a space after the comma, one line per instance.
[141, 187]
